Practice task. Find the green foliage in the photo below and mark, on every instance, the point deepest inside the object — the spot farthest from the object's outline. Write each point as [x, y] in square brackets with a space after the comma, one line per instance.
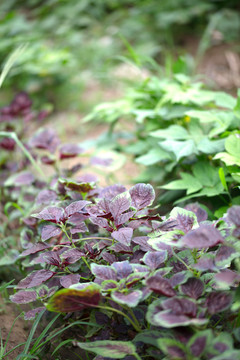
[181, 130]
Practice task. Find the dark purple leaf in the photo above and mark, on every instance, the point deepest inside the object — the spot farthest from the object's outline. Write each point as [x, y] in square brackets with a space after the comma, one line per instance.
[134, 279]
[48, 160]
[160, 286]
[168, 320]
[75, 207]
[45, 139]
[88, 178]
[53, 213]
[77, 218]
[51, 258]
[71, 256]
[123, 235]
[234, 215]
[142, 195]
[176, 352]
[224, 255]
[155, 258]
[68, 280]
[109, 284]
[29, 315]
[198, 211]
[35, 249]
[119, 204]
[131, 299]
[23, 297]
[218, 301]
[69, 300]
[227, 278]
[180, 306]
[121, 249]
[204, 237]
[143, 242]
[110, 258]
[103, 272]
[123, 269]
[36, 278]
[69, 150]
[179, 278]
[46, 197]
[198, 345]
[193, 287]
[79, 229]
[49, 231]
[30, 221]
[112, 191]
[100, 222]
[206, 262]
[123, 218]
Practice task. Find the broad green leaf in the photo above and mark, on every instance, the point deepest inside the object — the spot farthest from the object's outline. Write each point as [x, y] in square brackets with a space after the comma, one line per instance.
[236, 109]
[232, 145]
[188, 183]
[210, 146]
[228, 159]
[224, 100]
[203, 115]
[110, 349]
[179, 148]
[206, 174]
[153, 156]
[174, 132]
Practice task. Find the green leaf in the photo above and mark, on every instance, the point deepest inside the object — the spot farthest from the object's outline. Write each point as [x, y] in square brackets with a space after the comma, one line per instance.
[225, 100]
[222, 178]
[206, 174]
[188, 182]
[174, 132]
[179, 148]
[232, 145]
[153, 156]
[236, 109]
[108, 348]
[210, 146]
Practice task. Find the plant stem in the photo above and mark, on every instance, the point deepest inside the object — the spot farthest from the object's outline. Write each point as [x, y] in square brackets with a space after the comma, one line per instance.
[137, 356]
[181, 260]
[136, 326]
[95, 238]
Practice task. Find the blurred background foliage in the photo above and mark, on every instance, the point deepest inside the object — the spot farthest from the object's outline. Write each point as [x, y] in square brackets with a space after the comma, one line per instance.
[71, 44]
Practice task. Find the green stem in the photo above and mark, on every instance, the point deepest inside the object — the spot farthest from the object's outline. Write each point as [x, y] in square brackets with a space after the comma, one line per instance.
[63, 227]
[137, 356]
[14, 136]
[136, 326]
[181, 260]
[95, 238]
[133, 316]
[83, 258]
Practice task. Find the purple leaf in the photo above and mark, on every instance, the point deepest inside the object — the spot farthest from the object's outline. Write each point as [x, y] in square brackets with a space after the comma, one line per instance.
[198, 211]
[77, 218]
[51, 258]
[167, 319]
[40, 246]
[204, 237]
[198, 343]
[206, 262]
[193, 288]
[179, 278]
[100, 222]
[123, 269]
[20, 179]
[123, 218]
[79, 228]
[23, 297]
[96, 160]
[69, 150]
[29, 315]
[218, 301]
[49, 231]
[71, 256]
[104, 272]
[226, 278]
[143, 242]
[75, 207]
[109, 285]
[110, 258]
[142, 195]
[112, 191]
[53, 213]
[46, 197]
[155, 258]
[180, 306]
[131, 299]
[225, 255]
[69, 300]
[109, 349]
[160, 286]
[68, 280]
[234, 215]
[123, 235]
[121, 249]
[36, 278]
[45, 139]
[119, 204]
